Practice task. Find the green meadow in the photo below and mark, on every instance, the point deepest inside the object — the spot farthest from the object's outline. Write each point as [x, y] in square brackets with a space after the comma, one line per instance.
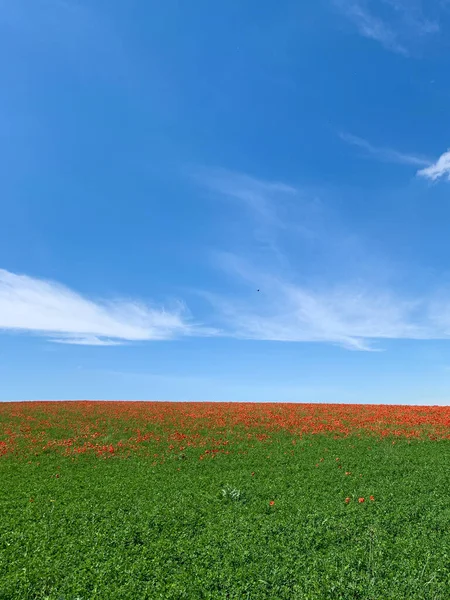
[280, 517]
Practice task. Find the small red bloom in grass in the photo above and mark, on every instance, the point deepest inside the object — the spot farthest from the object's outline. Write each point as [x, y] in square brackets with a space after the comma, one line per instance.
[360, 500]
[272, 502]
[253, 474]
[347, 500]
[347, 473]
[371, 498]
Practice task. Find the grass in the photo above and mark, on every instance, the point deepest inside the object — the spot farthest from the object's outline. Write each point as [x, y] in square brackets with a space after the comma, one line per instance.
[261, 515]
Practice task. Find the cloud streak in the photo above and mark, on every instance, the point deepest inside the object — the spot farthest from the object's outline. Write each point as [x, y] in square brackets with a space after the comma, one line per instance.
[441, 168]
[349, 310]
[259, 197]
[351, 315]
[404, 26]
[371, 26]
[340, 309]
[385, 154]
[48, 308]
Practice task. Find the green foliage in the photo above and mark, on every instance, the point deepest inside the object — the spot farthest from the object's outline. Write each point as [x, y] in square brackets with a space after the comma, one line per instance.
[192, 529]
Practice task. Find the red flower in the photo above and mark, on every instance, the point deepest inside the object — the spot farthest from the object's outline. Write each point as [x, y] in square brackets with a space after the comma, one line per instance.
[360, 500]
[272, 502]
[347, 500]
[347, 473]
[371, 498]
[253, 474]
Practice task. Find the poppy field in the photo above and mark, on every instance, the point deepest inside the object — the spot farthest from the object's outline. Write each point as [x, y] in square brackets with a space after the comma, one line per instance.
[168, 501]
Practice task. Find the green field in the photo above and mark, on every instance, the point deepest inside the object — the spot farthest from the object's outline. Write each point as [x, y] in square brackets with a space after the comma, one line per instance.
[103, 502]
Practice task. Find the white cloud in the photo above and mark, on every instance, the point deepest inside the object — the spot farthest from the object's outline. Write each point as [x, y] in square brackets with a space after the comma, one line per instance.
[84, 340]
[371, 26]
[385, 154]
[261, 205]
[351, 315]
[403, 26]
[46, 307]
[346, 308]
[284, 311]
[258, 196]
[439, 169]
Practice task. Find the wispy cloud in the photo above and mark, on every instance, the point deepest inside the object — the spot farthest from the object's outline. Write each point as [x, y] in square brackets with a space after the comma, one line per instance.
[385, 154]
[48, 308]
[343, 307]
[84, 340]
[404, 24]
[262, 207]
[269, 205]
[438, 169]
[259, 197]
[352, 315]
[371, 26]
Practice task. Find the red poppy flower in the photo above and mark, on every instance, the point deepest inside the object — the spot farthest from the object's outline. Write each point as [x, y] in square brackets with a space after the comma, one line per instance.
[347, 500]
[371, 498]
[272, 502]
[360, 500]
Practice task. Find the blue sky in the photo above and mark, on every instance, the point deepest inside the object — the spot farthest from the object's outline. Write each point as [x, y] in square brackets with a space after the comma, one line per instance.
[247, 201]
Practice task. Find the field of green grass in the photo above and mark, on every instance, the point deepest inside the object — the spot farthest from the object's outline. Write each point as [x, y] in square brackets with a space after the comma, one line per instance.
[104, 501]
